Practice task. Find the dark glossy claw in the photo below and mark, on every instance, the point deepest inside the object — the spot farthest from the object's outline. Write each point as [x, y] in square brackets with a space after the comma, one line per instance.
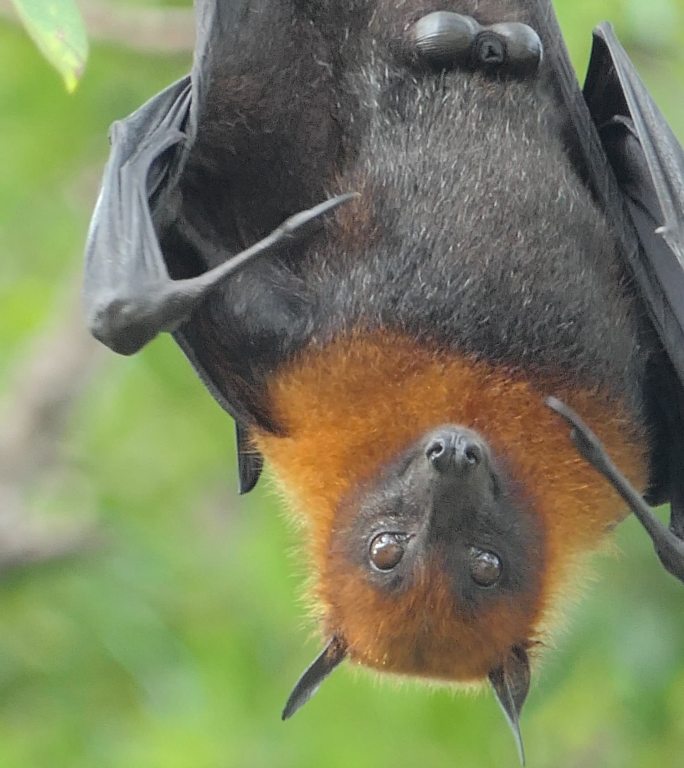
[445, 39]
[333, 654]
[523, 47]
[511, 684]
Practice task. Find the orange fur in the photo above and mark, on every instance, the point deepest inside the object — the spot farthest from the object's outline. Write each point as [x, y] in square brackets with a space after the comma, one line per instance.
[421, 631]
[351, 406]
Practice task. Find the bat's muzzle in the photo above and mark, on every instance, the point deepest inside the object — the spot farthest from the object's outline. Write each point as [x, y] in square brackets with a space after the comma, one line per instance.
[454, 450]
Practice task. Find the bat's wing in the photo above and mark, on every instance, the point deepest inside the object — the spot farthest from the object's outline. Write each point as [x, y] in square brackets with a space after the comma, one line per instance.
[630, 158]
[125, 272]
[648, 162]
[148, 267]
[634, 165]
[129, 296]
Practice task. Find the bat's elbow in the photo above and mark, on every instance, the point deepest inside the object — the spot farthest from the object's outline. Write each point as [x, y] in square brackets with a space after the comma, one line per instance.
[109, 321]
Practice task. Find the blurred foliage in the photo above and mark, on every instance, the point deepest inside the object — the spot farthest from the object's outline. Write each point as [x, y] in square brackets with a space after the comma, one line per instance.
[176, 644]
[57, 29]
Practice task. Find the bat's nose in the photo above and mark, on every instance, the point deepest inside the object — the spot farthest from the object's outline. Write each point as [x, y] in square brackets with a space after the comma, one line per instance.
[453, 449]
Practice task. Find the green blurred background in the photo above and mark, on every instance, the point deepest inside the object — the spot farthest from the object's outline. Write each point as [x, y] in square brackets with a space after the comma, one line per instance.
[171, 637]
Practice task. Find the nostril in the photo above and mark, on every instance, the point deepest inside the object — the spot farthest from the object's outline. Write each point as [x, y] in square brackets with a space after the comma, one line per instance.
[436, 451]
[472, 452]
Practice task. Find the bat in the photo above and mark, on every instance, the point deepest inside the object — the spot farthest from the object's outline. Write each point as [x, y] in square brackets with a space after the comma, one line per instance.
[387, 235]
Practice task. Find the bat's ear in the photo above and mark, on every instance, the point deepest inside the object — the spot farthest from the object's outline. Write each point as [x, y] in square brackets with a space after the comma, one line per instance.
[334, 652]
[511, 682]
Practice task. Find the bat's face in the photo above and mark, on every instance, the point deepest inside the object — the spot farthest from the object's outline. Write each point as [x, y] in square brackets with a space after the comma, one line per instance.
[435, 566]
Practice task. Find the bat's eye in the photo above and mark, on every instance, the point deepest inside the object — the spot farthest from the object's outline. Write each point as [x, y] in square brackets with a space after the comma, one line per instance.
[485, 567]
[387, 549]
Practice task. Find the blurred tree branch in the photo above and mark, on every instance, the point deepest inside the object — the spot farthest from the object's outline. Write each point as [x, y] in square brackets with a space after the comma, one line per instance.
[149, 30]
[34, 413]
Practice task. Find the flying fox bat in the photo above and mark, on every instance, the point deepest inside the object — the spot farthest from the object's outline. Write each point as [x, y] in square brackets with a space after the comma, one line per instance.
[383, 232]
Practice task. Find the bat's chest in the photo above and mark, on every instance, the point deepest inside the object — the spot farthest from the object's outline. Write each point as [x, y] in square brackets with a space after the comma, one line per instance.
[472, 230]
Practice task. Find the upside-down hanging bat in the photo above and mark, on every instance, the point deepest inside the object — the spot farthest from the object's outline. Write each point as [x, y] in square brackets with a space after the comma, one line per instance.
[465, 234]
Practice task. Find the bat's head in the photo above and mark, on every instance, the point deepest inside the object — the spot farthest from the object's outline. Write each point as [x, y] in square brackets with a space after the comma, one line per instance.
[448, 511]
[433, 570]
[434, 566]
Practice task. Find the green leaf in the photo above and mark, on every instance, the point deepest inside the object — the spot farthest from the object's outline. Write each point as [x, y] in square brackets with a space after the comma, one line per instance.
[57, 29]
